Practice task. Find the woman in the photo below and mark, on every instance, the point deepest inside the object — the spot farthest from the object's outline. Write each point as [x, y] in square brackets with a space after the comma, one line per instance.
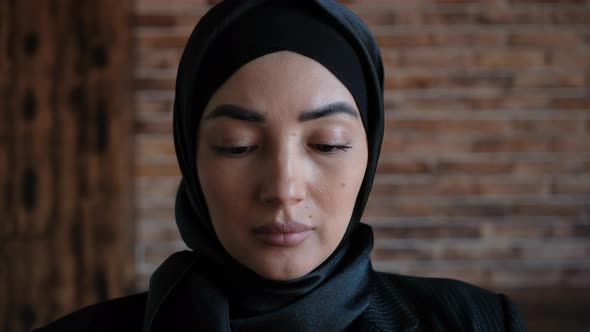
[278, 122]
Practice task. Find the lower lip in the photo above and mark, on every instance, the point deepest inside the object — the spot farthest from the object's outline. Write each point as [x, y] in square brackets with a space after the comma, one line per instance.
[283, 239]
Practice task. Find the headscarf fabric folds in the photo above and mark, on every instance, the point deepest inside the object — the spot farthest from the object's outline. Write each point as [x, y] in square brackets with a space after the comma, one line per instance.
[215, 291]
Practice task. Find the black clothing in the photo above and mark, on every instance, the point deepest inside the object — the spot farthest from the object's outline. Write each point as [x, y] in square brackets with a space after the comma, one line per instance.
[396, 303]
[230, 35]
[329, 298]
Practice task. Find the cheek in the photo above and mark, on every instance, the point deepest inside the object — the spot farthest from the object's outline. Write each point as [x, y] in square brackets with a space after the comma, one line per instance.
[336, 194]
[221, 189]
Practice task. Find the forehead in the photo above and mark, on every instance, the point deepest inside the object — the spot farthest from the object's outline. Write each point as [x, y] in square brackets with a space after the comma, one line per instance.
[285, 81]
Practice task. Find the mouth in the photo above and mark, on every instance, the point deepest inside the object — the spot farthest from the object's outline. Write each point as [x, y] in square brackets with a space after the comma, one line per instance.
[282, 234]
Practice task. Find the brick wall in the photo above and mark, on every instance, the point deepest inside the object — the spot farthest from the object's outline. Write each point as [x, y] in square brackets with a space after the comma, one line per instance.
[485, 170]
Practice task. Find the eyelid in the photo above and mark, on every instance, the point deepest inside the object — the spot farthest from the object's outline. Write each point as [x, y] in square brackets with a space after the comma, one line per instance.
[233, 150]
[333, 148]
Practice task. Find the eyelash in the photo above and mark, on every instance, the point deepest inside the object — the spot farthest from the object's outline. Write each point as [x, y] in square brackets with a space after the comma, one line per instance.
[330, 148]
[236, 151]
[233, 150]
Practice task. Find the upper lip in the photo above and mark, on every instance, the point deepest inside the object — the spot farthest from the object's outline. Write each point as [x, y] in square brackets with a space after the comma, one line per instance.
[277, 227]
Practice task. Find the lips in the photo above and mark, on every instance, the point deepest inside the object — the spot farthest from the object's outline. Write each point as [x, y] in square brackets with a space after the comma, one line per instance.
[283, 234]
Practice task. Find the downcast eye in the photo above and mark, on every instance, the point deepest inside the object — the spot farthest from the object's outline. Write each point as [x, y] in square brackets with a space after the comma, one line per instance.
[330, 148]
[234, 150]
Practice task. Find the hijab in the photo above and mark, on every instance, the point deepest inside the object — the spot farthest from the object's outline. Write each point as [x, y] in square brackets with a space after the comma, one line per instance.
[207, 287]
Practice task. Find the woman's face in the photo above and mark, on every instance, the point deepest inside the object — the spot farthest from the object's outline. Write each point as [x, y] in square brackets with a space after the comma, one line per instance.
[281, 156]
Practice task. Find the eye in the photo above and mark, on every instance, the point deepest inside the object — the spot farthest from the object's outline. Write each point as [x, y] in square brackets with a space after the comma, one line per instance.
[330, 148]
[234, 151]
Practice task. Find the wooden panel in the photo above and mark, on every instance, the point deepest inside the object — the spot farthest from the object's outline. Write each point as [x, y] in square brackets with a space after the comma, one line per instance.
[66, 231]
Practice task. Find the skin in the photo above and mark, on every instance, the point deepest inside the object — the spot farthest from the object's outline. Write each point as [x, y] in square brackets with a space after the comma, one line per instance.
[269, 160]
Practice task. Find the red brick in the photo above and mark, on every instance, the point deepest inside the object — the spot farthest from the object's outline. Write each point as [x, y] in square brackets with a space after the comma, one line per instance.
[172, 3]
[403, 167]
[571, 187]
[548, 167]
[573, 58]
[383, 190]
[400, 255]
[551, 2]
[155, 84]
[403, 39]
[571, 143]
[551, 209]
[581, 103]
[546, 39]
[532, 277]
[157, 170]
[384, 16]
[457, 187]
[421, 144]
[391, 58]
[159, 233]
[188, 20]
[146, 40]
[547, 79]
[515, 144]
[579, 16]
[154, 20]
[156, 149]
[464, 80]
[470, 39]
[472, 103]
[557, 251]
[479, 253]
[516, 230]
[152, 127]
[458, 167]
[546, 126]
[395, 125]
[469, 273]
[510, 58]
[154, 108]
[161, 59]
[466, 1]
[489, 209]
[434, 58]
[511, 189]
[375, 210]
[151, 215]
[433, 232]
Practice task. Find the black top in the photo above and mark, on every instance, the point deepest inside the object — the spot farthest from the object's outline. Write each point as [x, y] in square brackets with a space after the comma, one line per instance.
[397, 303]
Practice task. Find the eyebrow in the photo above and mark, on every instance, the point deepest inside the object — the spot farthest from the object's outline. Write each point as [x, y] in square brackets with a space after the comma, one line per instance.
[327, 110]
[244, 114]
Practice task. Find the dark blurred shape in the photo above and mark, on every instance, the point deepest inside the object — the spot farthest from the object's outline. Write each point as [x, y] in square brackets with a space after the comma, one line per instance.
[66, 228]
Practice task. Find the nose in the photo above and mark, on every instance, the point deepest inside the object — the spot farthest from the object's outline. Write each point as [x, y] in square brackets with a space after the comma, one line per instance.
[283, 178]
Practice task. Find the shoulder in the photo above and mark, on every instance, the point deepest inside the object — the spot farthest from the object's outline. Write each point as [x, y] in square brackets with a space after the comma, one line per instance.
[121, 314]
[448, 304]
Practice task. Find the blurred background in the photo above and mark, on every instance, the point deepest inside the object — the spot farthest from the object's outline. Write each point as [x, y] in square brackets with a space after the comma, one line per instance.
[484, 174]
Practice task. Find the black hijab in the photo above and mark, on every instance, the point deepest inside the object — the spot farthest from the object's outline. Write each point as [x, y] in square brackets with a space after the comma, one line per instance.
[209, 289]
